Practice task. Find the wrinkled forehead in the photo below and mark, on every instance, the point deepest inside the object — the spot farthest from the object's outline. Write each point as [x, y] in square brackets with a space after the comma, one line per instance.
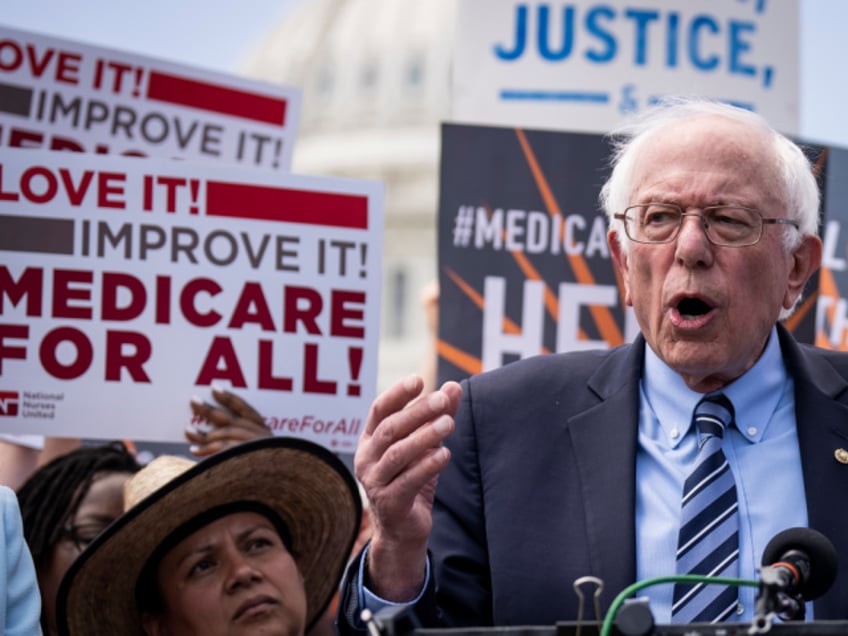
[711, 151]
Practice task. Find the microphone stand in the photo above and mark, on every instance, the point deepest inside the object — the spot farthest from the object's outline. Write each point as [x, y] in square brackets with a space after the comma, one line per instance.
[773, 599]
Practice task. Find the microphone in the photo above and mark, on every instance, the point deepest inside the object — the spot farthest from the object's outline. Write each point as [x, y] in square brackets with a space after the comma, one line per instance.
[799, 564]
[805, 560]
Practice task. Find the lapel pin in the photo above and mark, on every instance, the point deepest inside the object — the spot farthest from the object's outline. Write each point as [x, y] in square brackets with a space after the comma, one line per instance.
[841, 455]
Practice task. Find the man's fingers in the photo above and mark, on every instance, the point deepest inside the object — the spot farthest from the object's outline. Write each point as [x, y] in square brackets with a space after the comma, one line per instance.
[454, 392]
[401, 438]
[394, 499]
[399, 424]
[392, 400]
[403, 459]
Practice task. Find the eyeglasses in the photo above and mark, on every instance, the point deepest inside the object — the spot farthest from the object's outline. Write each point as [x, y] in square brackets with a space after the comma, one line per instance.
[724, 225]
[82, 534]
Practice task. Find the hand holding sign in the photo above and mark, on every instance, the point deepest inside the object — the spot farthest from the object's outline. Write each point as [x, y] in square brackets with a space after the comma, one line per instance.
[231, 422]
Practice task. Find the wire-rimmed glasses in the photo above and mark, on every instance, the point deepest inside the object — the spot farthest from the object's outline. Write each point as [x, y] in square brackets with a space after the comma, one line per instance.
[724, 225]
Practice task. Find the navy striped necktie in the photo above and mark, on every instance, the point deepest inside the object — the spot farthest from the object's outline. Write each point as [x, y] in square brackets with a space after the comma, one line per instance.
[708, 543]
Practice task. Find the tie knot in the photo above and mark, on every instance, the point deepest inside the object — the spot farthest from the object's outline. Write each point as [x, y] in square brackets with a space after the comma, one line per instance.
[713, 414]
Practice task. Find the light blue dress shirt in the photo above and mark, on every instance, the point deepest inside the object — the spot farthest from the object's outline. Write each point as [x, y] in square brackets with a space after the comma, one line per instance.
[762, 450]
[20, 600]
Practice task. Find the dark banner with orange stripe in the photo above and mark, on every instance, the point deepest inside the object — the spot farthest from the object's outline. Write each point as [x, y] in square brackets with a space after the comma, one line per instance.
[524, 265]
[831, 324]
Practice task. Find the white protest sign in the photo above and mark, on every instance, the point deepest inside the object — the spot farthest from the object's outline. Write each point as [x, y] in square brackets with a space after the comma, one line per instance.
[127, 287]
[63, 95]
[585, 65]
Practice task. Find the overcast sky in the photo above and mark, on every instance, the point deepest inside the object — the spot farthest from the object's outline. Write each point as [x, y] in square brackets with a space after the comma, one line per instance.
[220, 34]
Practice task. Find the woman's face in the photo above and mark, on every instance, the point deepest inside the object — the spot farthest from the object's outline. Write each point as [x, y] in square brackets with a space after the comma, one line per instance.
[99, 507]
[233, 576]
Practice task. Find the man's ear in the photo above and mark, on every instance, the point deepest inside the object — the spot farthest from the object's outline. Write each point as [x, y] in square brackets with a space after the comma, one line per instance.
[619, 259]
[153, 624]
[806, 259]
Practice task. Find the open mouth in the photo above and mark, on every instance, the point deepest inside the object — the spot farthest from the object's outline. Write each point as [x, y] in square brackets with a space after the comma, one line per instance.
[690, 308]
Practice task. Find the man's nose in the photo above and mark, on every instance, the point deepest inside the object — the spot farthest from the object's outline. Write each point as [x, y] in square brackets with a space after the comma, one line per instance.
[692, 245]
[694, 225]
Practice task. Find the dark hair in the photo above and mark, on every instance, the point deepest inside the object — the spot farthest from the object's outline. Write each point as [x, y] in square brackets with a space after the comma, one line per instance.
[53, 493]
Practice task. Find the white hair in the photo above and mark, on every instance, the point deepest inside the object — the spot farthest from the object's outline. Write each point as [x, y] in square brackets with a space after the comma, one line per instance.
[801, 192]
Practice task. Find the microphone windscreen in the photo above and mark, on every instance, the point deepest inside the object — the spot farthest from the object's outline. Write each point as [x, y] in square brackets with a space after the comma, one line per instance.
[818, 549]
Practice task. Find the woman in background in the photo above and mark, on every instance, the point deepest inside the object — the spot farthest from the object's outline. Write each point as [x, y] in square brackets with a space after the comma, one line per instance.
[64, 505]
[252, 540]
[67, 502]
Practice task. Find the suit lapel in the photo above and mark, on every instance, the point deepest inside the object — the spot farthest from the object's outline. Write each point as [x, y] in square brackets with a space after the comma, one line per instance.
[821, 413]
[604, 439]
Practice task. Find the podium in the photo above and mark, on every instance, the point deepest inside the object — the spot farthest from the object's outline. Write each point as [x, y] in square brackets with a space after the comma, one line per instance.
[401, 622]
[815, 628]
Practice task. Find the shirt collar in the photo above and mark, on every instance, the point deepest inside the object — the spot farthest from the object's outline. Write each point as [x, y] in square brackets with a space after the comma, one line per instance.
[755, 394]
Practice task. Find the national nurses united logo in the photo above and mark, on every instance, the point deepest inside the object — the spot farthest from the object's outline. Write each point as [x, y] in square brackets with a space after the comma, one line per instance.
[9, 401]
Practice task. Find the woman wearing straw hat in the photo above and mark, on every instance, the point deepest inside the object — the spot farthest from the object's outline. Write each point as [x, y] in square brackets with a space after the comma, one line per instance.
[68, 501]
[252, 540]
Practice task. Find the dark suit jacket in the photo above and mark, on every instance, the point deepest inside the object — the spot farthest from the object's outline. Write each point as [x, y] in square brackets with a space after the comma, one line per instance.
[540, 487]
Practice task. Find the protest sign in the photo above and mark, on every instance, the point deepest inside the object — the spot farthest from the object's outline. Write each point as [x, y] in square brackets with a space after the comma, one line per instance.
[128, 286]
[524, 264]
[59, 94]
[585, 65]
[832, 310]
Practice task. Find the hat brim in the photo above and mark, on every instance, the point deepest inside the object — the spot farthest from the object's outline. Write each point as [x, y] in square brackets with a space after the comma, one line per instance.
[310, 489]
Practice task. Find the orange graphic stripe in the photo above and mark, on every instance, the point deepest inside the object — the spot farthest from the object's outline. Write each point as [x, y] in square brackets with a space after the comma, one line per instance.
[828, 289]
[458, 358]
[531, 273]
[801, 311]
[603, 318]
[551, 302]
[819, 164]
[508, 325]
[827, 284]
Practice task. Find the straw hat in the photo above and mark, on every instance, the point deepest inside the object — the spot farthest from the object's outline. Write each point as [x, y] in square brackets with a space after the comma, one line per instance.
[309, 488]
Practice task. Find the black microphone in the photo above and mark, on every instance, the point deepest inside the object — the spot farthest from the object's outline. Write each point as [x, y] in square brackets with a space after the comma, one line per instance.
[804, 561]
